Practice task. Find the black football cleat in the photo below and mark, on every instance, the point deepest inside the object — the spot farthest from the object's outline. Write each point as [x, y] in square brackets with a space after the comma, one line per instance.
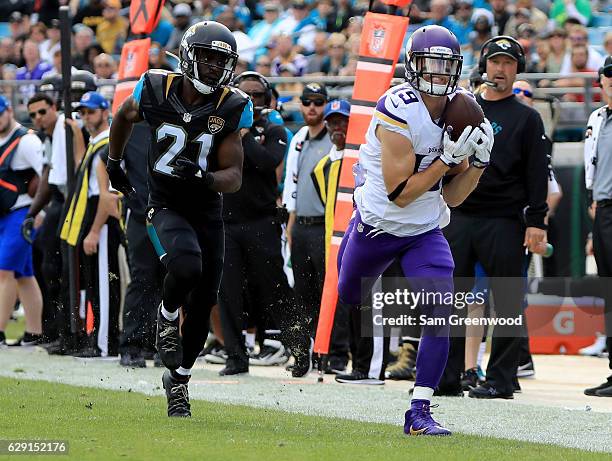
[177, 395]
[168, 341]
[234, 366]
[593, 391]
[488, 391]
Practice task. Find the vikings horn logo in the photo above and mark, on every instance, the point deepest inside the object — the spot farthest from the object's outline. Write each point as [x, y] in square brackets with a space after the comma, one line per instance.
[215, 124]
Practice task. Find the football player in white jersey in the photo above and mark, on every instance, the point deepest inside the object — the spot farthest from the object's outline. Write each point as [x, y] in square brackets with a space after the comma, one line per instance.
[410, 161]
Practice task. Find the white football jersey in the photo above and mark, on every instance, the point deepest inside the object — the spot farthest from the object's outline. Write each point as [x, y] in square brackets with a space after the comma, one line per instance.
[401, 110]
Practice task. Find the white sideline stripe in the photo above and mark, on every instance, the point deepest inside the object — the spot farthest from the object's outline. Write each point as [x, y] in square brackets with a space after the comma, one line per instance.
[344, 197]
[362, 110]
[335, 240]
[351, 153]
[374, 67]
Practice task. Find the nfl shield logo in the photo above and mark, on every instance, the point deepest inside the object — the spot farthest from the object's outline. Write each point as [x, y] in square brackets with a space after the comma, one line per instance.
[187, 117]
[215, 124]
[377, 40]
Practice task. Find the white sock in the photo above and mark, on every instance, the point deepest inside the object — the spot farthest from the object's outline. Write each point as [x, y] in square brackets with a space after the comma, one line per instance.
[169, 315]
[422, 393]
[481, 351]
[183, 371]
[250, 340]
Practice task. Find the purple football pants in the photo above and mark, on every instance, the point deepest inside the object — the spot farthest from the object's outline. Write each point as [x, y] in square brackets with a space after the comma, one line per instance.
[366, 252]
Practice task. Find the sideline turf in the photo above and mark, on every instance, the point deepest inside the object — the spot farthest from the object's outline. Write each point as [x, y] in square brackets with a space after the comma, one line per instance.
[102, 424]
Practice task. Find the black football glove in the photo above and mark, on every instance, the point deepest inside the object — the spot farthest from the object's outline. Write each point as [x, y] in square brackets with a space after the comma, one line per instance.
[118, 178]
[27, 227]
[191, 171]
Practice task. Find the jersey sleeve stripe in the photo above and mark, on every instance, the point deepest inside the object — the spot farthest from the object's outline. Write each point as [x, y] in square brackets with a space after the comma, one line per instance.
[389, 120]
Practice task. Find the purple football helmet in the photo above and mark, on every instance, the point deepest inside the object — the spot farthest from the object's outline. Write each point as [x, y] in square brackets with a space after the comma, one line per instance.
[433, 51]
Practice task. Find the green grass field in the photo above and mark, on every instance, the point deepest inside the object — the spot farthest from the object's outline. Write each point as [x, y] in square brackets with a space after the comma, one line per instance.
[15, 328]
[102, 424]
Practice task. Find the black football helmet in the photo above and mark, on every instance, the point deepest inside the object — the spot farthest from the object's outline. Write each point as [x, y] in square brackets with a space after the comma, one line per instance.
[212, 46]
[82, 81]
[52, 86]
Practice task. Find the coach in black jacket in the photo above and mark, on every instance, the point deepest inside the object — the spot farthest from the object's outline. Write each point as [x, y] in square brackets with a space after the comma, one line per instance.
[502, 218]
[252, 235]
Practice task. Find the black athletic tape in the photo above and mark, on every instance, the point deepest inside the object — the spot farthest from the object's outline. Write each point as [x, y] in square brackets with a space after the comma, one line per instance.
[398, 190]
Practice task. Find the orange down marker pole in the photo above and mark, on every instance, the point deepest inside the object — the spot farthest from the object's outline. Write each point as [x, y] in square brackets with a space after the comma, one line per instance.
[381, 42]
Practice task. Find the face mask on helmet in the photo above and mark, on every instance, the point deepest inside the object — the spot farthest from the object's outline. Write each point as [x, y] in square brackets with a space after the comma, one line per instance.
[436, 74]
[208, 67]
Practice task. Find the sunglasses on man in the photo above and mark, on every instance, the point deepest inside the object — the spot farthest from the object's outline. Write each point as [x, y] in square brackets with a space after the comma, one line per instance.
[316, 102]
[41, 112]
[527, 93]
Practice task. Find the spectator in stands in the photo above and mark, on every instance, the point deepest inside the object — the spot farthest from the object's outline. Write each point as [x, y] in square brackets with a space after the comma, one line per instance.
[355, 26]
[157, 58]
[463, 22]
[526, 13]
[300, 26]
[579, 63]
[6, 51]
[287, 54]
[339, 20]
[264, 65]
[483, 25]
[241, 12]
[52, 44]
[352, 45]
[579, 36]
[337, 57]
[19, 24]
[288, 70]
[34, 68]
[112, 31]
[607, 43]
[105, 68]
[316, 59]
[83, 38]
[262, 31]
[57, 65]
[562, 10]
[244, 43]
[182, 20]
[38, 33]
[558, 49]
[542, 49]
[501, 16]
[440, 9]
[323, 15]
[91, 53]
[90, 14]
[526, 35]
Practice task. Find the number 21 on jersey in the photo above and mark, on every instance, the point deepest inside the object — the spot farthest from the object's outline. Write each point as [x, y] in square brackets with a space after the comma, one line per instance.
[179, 135]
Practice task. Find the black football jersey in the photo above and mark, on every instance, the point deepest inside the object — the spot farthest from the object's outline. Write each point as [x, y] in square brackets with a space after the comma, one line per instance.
[194, 132]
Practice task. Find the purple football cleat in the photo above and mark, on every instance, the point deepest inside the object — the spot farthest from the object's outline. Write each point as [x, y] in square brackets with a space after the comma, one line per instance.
[418, 421]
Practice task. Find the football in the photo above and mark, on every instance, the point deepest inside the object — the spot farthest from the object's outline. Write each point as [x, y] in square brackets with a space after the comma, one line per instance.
[461, 111]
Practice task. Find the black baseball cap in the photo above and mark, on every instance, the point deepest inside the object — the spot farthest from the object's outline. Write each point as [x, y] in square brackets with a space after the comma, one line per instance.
[504, 46]
[314, 89]
[606, 69]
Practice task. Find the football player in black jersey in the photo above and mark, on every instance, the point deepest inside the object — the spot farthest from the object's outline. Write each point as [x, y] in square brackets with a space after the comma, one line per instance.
[196, 155]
